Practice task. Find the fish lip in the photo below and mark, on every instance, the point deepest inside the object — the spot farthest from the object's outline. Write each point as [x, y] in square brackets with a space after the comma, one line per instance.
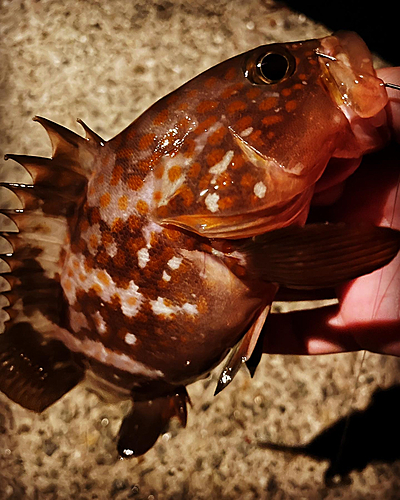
[348, 75]
[328, 82]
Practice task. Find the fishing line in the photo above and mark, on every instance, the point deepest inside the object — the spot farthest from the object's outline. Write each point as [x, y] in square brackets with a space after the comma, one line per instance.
[336, 463]
[376, 304]
[391, 85]
[396, 198]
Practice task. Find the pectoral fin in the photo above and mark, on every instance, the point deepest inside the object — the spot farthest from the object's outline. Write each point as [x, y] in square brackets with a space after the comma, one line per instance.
[242, 352]
[320, 255]
[142, 426]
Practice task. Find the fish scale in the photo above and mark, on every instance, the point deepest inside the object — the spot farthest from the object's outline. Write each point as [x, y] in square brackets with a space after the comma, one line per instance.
[142, 260]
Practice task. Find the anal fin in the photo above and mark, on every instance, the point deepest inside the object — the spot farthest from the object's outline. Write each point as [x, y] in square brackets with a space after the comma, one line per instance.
[33, 373]
[143, 425]
[255, 357]
[242, 352]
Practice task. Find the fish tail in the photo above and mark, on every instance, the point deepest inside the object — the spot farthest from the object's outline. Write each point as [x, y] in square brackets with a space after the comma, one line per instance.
[37, 217]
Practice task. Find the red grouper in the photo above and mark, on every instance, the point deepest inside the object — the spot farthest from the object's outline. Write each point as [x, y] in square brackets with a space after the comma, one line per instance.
[140, 261]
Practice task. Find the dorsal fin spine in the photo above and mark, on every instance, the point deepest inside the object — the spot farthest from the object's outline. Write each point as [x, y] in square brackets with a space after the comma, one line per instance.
[70, 149]
[90, 135]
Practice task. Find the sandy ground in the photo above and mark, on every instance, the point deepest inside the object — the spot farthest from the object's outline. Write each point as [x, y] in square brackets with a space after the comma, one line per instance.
[105, 62]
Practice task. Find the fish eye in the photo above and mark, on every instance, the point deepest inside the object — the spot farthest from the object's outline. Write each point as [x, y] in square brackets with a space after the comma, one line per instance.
[271, 67]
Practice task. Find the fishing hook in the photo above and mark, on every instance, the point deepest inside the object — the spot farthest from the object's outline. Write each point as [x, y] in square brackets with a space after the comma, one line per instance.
[391, 85]
[331, 58]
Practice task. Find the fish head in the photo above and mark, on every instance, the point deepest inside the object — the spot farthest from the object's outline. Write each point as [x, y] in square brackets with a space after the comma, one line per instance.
[242, 145]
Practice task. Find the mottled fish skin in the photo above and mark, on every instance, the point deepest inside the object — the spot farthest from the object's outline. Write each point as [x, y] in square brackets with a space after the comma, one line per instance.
[221, 156]
[137, 290]
[156, 291]
[152, 300]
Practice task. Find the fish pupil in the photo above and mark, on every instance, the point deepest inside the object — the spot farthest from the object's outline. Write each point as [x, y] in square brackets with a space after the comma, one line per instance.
[273, 67]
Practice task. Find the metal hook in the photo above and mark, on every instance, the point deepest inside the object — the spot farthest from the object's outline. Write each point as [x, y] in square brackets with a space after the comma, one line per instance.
[331, 58]
[391, 85]
[321, 54]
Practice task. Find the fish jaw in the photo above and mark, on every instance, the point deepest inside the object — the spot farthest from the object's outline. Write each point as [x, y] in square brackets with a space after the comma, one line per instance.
[350, 79]
[350, 75]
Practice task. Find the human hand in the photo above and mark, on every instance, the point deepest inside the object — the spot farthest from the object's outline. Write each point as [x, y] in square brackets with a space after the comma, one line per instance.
[368, 314]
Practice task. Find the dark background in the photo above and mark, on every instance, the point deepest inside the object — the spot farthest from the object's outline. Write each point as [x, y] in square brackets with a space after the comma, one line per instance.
[377, 22]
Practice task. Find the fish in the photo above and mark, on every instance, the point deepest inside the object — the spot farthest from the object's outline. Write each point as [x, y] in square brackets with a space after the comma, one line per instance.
[140, 262]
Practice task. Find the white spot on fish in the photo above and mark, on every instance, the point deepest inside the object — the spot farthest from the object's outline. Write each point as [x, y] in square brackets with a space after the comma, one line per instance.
[100, 323]
[260, 189]
[167, 186]
[211, 202]
[190, 308]
[246, 132]
[112, 249]
[166, 276]
[143, 257]
[130, 338]
[77, 320]
[150, 228]
[159, 307]
[174, 262]
[131, 299]
[222, 165]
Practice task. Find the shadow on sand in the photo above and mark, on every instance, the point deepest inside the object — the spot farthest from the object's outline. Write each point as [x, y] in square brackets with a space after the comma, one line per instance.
[353, 442]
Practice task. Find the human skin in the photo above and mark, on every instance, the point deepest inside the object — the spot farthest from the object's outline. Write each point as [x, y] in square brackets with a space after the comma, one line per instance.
[368, 314]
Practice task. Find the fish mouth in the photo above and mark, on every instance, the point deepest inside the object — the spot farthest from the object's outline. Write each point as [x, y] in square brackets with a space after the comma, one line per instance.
[349, 76]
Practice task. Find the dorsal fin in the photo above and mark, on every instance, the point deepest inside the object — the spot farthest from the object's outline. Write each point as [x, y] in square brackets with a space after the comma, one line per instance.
[37, 217]
[70, 149]
[36, 220]
[48, 172]
[63, 140]
[90, 135]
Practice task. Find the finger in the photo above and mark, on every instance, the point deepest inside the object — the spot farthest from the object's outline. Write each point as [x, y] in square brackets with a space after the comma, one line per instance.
[306, 332]
[327, 331]
[371, 193]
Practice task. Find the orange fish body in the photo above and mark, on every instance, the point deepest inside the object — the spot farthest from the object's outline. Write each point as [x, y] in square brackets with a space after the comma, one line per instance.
[151, 254]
